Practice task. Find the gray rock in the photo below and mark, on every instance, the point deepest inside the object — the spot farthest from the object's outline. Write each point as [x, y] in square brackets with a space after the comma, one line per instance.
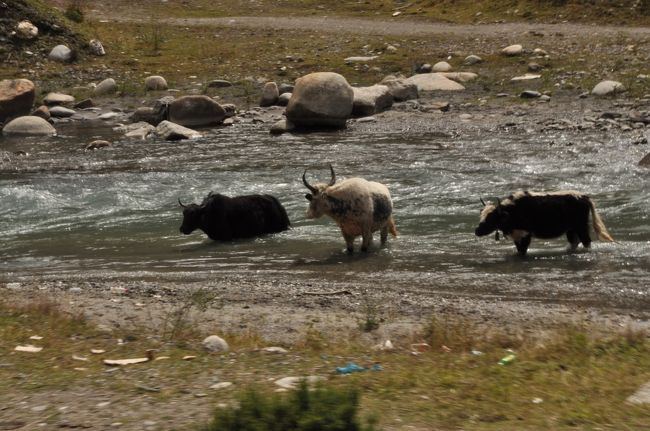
[283, 99]
[85, 104]
[472, 59]
[155, 83]
[545, 98]
[42, 111]
[145, 113]
[460, 76]
[219, 83]
[371, 100]
[605, 88]
[526, 77]
[96, 48]
[106, 87]
[26, 30]
[61, 53]
[109, 116]
[321, 99]
[442, 66]
[29, 126]
[61, 112]
[433, 82]
[270, 94]
[95, 145]
[534, 67]
[530, 94]
[175, 132]
[195, 111]
[281, 127]
[16, 98]
[285, 88]
[400, 90]
[360, 59]
[645, 161]
[53, 99]
[512, 50]
[214, 343]
[139, 130]
[424, 68]
[230, 109]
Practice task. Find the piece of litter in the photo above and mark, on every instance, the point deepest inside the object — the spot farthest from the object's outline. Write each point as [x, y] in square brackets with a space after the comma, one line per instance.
[274, 350]
[507, 360]
[36, 337]
[420, 347]
[97, 351]
[28, 348]
[80, 369]
[292, 382]
[188, 357]
[537, 400]
[160, 358]
[221, 385]
[125, 361]
[79, 358]
[477, 352]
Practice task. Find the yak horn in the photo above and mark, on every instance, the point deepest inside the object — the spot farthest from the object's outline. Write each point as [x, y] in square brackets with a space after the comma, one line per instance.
[304, 181]
[333, 180]
[181, 203]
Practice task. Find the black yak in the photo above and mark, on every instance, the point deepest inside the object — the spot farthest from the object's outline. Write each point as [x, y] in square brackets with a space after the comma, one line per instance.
[223, 218]
[358, 207]
[524, 215]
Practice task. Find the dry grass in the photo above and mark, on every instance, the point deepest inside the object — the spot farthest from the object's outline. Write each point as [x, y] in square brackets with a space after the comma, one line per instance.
[581, 375]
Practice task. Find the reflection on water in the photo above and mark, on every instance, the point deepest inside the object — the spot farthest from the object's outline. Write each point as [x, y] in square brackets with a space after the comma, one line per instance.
[115, 210]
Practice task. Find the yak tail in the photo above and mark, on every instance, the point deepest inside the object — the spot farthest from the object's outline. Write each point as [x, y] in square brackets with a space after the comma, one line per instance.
[391, 227]
[599, 226]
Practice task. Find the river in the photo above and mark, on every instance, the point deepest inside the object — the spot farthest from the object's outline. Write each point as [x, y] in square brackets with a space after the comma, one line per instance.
[114, 212]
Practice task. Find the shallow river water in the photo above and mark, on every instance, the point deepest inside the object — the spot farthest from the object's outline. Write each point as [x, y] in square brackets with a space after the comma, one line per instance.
[67, 212]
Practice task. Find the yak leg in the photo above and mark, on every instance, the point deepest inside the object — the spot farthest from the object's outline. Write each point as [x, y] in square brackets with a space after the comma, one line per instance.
[522, 244]
[573, 239]
[583, 234]
[367, 239]
[384, 234]
[349, 241]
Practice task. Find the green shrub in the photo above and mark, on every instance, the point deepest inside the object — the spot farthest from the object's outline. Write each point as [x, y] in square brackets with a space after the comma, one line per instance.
[74, 11]
[321, 409]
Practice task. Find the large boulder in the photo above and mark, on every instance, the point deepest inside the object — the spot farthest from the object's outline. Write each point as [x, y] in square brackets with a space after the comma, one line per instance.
[196, 111]
[604, 88]
[62, 54]
[16, 98]
[371, 100]
[175, 132]
[29, 126]
[433, 82]
[321, 99]
[400, 90]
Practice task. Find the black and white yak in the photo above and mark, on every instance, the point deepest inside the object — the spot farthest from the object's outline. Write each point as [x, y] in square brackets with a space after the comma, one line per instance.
[524, 215]
[223, 218]
[358, 207]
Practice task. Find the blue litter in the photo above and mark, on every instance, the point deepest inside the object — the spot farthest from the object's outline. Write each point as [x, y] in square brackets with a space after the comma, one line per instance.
[351, 367]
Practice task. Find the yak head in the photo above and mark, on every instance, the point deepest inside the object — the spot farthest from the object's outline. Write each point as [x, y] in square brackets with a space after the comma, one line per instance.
[192, 215]
[494, 217]
[318, 199]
